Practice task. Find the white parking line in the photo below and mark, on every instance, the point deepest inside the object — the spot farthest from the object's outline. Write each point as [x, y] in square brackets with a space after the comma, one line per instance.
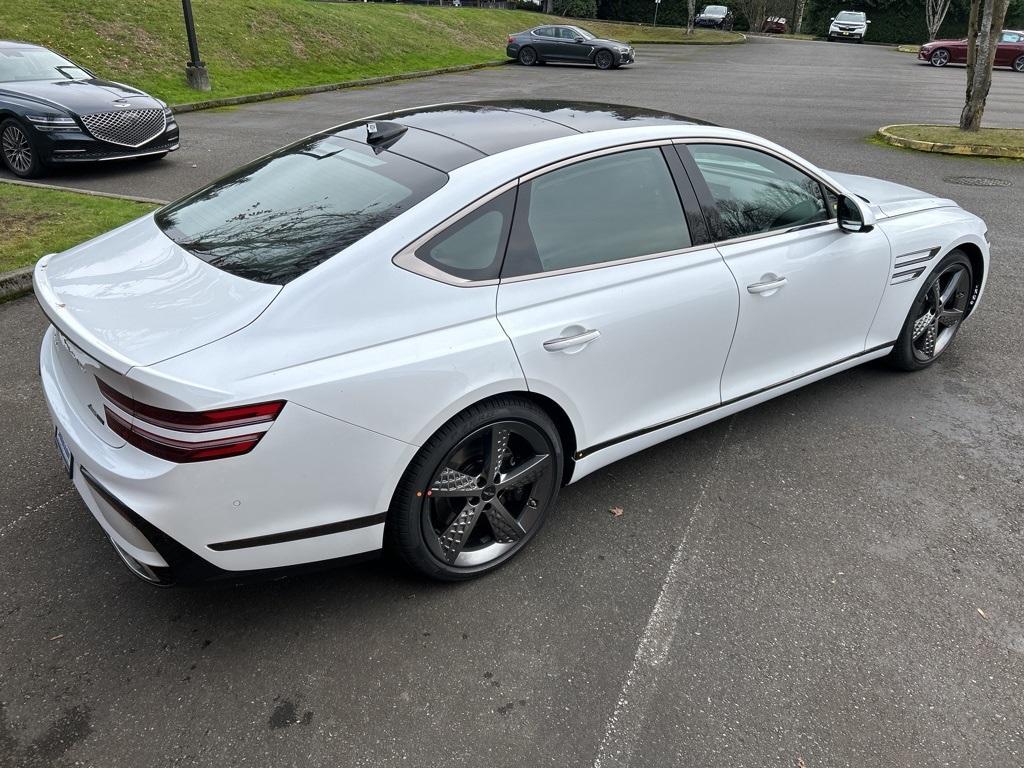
[625, 724]
[14, 523]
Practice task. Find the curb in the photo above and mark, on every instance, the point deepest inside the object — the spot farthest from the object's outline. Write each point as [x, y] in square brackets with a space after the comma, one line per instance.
[306, 90]
[742, 39]
[16, 283]
[90, 192]
[969, 150]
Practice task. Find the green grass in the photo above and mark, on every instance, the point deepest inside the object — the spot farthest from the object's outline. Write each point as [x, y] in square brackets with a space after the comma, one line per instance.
[949, 134]
[253, 46]
[40, 221]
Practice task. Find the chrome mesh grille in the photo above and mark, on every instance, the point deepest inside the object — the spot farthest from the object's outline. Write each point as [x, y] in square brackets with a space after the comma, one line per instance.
[127, 127]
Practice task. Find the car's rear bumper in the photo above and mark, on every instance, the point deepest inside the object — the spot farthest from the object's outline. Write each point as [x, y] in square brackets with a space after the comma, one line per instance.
[307, 495]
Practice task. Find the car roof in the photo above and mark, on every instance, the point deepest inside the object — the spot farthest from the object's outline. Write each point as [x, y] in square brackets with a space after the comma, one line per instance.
[448, 136]
[16, 44]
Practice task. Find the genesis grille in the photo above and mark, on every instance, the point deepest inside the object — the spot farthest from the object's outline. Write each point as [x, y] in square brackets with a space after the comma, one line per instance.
[127, 127]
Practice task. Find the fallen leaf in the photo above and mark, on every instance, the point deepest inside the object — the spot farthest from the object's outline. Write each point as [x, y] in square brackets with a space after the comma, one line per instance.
[616, 511]
[56, 637]
[982, 614]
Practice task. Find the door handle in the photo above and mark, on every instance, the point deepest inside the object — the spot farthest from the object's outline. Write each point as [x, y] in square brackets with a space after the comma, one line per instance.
[767, 286]
[576, 340]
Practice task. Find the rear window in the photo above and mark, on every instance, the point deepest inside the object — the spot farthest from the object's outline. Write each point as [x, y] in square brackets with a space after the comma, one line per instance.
[280, 216]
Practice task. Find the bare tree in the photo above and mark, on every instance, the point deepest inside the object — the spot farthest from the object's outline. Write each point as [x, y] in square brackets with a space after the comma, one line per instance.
[934, 14]
[690, 10]
[753, 11]
[985, 26]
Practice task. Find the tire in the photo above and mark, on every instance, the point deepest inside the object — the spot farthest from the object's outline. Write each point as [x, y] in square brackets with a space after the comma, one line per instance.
[451, 517]
[19, 152]
[936, 315]
[939, 57]
[527, 56]
[1018, 64]
[604, 59]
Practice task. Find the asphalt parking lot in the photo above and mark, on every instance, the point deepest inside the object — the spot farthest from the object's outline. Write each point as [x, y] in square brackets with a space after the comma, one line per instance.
[831, 579]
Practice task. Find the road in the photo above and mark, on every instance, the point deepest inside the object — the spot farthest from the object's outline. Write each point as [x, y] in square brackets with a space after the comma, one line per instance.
[830, 579]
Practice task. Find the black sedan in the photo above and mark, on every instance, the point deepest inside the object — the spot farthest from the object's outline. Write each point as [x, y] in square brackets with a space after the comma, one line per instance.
[714, 16]
[567, 44]
[53, 112]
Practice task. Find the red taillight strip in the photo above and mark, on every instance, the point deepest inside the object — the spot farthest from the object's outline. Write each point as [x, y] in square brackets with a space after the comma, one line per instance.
[194, 421]
[180, 451]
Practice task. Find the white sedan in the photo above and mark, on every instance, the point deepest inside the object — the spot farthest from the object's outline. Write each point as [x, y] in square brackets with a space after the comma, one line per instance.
[411, 331]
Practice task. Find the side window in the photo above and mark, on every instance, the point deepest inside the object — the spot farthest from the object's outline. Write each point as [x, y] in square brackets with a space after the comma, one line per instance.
[755, 192]
[546, 32]
[472, 248]
[567, 33]
[611, 207]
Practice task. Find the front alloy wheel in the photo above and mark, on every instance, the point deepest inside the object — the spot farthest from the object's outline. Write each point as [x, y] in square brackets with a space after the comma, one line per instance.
[940, 58]
[1018, 64]
[936, 314]
[18, 153]
[604, 59]
[478, 491]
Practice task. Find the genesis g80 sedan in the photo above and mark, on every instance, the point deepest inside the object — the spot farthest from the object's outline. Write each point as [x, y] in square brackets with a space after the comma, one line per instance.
[568, 45]
[54, 112]
[412, 330]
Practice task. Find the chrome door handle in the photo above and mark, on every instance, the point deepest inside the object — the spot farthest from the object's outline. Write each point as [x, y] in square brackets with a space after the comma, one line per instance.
[565, 342]
[767, 285]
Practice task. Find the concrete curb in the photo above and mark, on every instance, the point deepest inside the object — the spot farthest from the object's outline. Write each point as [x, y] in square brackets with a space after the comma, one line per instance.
[90, 192]
[970, 150]
[16, 283]
[305, 90]
[742, 39]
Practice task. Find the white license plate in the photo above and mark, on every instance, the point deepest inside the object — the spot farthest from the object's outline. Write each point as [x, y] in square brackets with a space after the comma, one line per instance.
[65, 452]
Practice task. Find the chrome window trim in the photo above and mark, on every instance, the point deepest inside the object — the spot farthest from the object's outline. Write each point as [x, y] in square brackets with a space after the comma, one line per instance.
[812, 172]
[407, 259]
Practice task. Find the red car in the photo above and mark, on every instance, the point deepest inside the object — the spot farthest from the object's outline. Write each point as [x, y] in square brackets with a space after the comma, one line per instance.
[1009, 52]
[775, 24]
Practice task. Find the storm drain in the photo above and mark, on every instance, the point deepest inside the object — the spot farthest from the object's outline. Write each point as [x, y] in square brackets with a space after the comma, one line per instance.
[977, 181]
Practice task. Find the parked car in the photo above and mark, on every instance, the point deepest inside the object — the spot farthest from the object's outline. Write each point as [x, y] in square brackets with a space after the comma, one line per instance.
[571, 44]
[848, 25]
[54, 112]
[417, 327]
[714, 16]
[1009, 51]
[775, 25]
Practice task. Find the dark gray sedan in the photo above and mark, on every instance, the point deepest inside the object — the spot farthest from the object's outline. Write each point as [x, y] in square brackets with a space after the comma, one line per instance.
[571, 44]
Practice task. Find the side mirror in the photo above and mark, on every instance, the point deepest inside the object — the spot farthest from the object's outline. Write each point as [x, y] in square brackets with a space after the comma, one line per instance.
[833, 18]
[579, 39]
[869, 21]
[853, 215]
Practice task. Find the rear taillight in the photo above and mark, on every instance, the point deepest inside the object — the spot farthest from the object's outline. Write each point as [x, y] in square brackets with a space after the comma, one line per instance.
[182, 448]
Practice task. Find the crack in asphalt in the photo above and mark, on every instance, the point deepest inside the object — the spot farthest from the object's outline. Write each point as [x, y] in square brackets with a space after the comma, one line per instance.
[25, 515]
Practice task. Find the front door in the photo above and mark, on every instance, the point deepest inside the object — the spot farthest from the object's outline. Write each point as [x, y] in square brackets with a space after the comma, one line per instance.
[808, 291]
[611, 310]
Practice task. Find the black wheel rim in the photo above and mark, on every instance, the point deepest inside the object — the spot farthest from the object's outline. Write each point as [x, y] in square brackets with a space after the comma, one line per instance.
[527, 56]
[17, 150]
[604, 59]
[942, 310]
[489, 494]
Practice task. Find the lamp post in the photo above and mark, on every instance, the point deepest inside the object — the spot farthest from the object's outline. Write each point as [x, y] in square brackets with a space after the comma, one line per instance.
[195, 71]
[657, 3]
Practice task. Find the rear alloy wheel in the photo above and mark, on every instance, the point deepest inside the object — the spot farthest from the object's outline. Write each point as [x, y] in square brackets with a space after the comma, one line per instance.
[939, 57]
[477, 491]
[19, 154]
[604, 59]
[527, 56]
[1018, 64]
[936, 314]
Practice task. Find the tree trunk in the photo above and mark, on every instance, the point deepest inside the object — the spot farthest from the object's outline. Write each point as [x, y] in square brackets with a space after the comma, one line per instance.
[690, 10]
[987, 17]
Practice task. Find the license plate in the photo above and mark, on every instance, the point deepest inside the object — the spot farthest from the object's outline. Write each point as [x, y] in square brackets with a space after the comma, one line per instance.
[65, 452]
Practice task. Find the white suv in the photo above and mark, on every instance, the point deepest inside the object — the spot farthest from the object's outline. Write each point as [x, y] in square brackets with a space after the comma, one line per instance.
[848, 25]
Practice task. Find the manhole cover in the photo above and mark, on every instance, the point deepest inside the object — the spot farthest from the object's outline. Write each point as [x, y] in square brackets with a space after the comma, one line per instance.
[978, 181]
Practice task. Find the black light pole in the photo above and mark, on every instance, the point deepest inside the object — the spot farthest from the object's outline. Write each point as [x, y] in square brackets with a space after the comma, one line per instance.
[195, 71]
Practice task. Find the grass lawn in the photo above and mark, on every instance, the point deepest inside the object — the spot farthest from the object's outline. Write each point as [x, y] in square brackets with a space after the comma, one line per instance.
[40, 221]
[252, 46]
[948, 134]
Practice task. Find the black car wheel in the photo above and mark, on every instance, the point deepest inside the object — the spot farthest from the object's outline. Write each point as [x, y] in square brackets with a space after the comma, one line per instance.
[477, 491]
[604, 59]
[19, 153]
[936, 314]
[527, 56]
[939, 57]
[1018, 64]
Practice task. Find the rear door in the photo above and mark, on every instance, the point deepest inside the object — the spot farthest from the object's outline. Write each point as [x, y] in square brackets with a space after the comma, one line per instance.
[616, 305]
[545, 40]
[1009, 49]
